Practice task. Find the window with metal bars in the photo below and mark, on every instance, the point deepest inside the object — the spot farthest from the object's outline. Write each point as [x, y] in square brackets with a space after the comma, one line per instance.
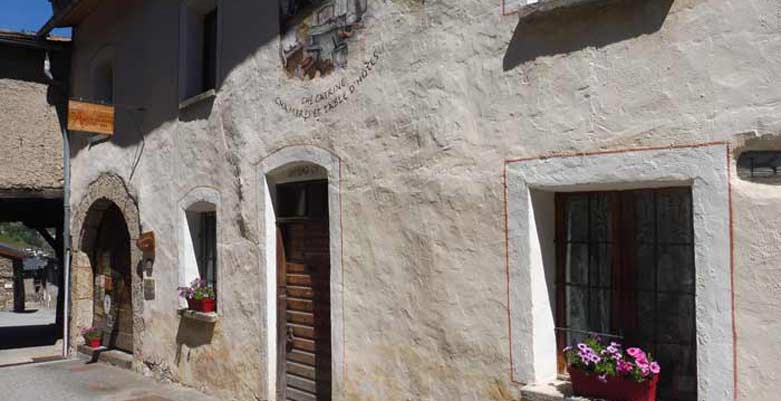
[625, 270]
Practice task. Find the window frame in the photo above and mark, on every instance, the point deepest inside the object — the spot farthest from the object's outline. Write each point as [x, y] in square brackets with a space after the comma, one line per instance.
[530, 185]
[199, 9]
[198, 197]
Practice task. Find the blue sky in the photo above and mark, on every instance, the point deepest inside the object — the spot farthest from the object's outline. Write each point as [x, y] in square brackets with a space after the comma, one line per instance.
[26, 15]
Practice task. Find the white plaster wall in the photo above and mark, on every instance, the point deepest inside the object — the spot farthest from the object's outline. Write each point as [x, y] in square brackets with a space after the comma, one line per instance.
[422, 142]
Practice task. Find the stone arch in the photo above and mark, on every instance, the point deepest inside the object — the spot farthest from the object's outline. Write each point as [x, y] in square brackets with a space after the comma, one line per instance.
[106, 191]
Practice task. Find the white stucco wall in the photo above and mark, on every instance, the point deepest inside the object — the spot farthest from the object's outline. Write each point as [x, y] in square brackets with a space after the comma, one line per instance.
[454, 90]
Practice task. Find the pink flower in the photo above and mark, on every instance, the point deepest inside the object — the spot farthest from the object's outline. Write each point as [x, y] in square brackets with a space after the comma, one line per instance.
[642, 362]
[635, 352]
[655, 368]
[624, 367]
[602, 378]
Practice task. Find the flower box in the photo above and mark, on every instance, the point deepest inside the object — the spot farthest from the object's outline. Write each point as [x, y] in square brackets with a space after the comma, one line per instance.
[610, 372]
[92, 337]
[93, 342]
[614, 388]
[205, 305]
[200, 296]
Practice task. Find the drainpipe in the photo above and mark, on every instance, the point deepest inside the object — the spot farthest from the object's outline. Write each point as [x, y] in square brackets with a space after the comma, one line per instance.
[66, 240]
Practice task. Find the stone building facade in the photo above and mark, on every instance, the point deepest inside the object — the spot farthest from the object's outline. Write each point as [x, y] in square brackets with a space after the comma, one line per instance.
[29, 130]
[12, 290]
[415, 188]
[6, 284]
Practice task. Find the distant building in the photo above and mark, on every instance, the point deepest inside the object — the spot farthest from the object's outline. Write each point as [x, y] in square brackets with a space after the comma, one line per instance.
[11, 279]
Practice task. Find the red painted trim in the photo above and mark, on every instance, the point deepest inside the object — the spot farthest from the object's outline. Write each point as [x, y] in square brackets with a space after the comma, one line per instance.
[628, 150]
[610, 152]
[732, 278]
[507, 265]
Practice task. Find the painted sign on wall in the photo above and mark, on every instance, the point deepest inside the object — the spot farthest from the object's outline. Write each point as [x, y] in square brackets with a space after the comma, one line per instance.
[316, 33]
[90, 117]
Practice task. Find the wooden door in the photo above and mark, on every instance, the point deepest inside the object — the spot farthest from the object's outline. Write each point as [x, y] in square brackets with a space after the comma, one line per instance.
[304, 317]
[113, 299]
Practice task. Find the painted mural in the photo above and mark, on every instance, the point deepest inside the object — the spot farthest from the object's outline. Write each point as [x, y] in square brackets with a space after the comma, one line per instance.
[315, 35]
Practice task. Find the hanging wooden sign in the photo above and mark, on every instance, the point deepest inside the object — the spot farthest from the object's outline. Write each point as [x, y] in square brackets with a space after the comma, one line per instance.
[90, 117]
[146, 243]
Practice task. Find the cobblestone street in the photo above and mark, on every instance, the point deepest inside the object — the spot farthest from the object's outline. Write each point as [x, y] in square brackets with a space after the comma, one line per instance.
[79, 381]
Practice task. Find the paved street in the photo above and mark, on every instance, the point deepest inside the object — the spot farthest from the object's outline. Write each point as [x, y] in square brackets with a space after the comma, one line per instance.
[28, 336]
[32, 317]
[79, 381]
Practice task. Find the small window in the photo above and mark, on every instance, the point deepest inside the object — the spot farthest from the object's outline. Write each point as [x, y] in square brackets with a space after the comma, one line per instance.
[199, 48]
[202, 227]
[626, 271]
[103, 76]
[303, 200]
[760, 166]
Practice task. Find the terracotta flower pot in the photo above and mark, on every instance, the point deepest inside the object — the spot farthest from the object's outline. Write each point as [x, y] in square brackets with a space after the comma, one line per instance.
[93, 342]
[616, 388]
[201, 305]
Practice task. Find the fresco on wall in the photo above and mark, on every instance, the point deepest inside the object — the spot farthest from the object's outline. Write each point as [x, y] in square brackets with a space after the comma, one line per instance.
[315, 35]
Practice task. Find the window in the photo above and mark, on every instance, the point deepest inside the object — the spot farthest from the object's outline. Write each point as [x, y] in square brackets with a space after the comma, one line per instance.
[625, 268]
[303, 200]
[760, 166]
[199, 48]
[201, 251]
[103, 76]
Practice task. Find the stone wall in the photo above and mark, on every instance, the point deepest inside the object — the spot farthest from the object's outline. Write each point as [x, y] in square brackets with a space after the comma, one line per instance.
[435, 98]
[31, 150]
[6, 285]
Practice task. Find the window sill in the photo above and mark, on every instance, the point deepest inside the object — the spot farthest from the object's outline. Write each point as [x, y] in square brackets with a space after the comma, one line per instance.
[546, 6]
[210, 317]
[209, 94]
[559, 390]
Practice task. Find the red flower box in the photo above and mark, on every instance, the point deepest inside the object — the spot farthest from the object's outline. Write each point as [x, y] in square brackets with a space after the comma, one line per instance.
[616, 388]
[93, 342]
[201, 305]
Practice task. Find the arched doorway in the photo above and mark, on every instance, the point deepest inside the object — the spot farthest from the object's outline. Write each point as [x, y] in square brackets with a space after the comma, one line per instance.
[106, 271]
[112, 290]
[300, 220]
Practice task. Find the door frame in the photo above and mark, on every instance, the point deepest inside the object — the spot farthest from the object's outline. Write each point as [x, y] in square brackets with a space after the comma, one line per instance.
[270, 171]
[104, 190]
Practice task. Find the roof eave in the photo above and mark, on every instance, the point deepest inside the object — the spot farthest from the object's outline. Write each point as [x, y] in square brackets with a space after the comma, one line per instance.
[71, 15]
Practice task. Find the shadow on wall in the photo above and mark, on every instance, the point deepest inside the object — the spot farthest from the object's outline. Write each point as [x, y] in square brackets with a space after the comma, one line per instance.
[590, 25]
[146, 62]
[192, 334]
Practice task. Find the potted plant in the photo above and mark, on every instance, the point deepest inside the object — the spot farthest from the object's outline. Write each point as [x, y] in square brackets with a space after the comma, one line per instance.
[92, 337]
[609, 372]
[199, 296]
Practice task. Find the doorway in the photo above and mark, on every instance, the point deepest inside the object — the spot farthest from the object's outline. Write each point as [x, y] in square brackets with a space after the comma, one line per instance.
[113, 306]
[303, 291]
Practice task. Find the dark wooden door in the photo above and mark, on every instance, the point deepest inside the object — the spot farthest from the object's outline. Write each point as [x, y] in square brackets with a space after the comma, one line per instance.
[113, 300]
[304, 310]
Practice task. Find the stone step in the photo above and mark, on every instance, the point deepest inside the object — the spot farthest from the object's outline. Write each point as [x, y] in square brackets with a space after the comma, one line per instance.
[113, 357]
